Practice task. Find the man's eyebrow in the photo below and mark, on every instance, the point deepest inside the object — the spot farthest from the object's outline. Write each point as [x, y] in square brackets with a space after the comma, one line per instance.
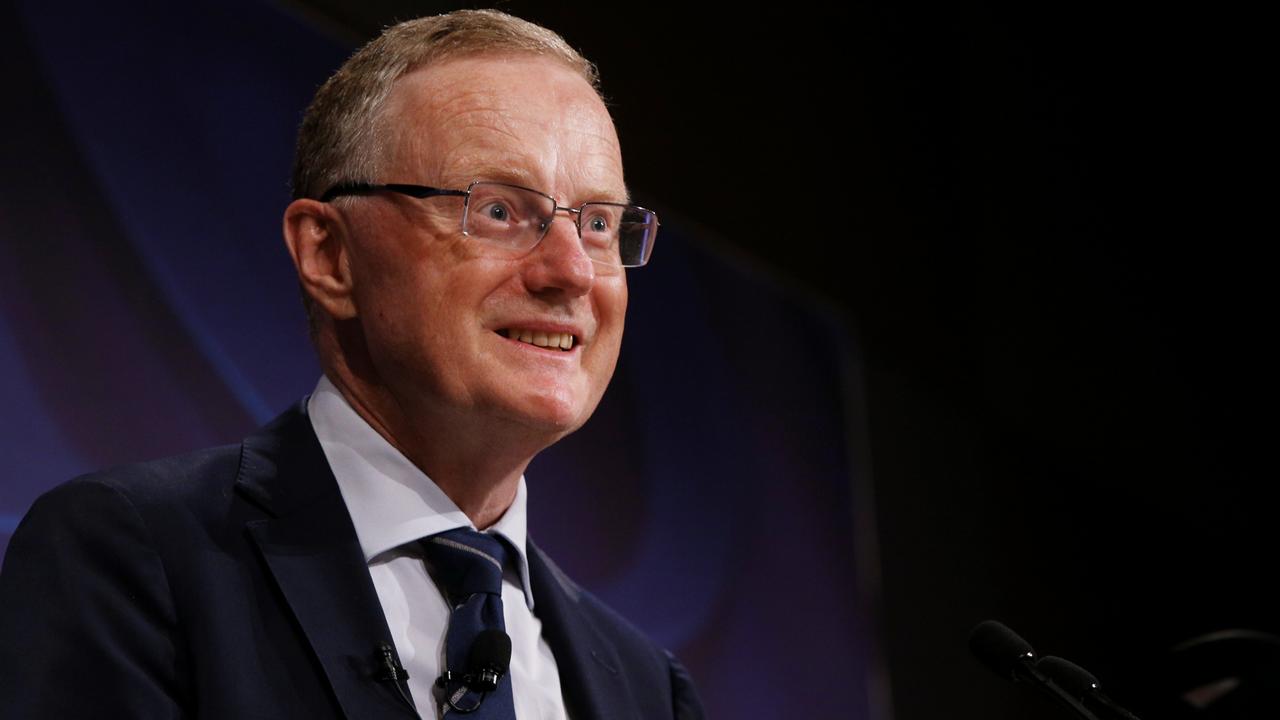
[505, 174]
[516, 176]
[599, 194]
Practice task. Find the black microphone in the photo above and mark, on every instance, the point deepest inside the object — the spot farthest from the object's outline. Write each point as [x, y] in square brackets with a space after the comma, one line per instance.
[1009, 656]
[1002, 650]
[389, 667]
[1081, 683]
[390, 670]
[488, 660]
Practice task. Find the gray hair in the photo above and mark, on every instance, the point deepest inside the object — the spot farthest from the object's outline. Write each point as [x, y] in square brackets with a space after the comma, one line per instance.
[343, 137]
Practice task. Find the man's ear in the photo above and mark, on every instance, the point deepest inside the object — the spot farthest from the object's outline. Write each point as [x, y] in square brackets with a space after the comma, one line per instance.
[317, 240]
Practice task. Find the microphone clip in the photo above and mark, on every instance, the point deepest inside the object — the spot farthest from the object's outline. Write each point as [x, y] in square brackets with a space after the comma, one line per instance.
[389, 667]
[486, 680]
[488, 660]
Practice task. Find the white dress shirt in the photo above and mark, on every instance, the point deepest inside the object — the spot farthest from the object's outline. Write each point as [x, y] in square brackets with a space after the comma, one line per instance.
[393, 504]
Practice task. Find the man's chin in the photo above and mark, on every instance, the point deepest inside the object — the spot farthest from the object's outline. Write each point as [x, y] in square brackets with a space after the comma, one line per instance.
[556, 424]
[554, 416]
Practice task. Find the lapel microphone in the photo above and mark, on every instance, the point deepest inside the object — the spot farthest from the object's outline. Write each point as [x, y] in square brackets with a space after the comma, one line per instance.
[488, 659]
[390, 670]
[389, 667]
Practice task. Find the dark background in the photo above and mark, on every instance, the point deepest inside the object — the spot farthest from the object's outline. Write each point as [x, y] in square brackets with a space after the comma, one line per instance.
[1047, 225]
[1045, 228]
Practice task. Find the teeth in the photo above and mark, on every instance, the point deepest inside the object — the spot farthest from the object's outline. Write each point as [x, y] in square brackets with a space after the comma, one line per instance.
[564, 341]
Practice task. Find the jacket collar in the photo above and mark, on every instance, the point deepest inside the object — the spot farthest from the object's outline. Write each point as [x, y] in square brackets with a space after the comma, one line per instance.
[592, 679]
[311, 548]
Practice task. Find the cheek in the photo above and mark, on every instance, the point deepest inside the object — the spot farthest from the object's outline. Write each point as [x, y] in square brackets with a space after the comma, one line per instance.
[403, 314]
[611, 310]
[611, 305]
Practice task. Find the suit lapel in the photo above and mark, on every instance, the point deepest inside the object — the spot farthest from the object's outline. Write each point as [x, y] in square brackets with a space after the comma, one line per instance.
[310, 546]
[591, 676]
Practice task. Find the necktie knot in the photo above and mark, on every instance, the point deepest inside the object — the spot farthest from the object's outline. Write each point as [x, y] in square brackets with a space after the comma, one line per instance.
[466, 562]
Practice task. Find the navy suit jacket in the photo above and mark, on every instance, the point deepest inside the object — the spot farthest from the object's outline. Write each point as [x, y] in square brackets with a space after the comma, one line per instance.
[230, 584]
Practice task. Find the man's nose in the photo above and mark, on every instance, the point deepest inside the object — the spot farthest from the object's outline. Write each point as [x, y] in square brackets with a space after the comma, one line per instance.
[559, 262]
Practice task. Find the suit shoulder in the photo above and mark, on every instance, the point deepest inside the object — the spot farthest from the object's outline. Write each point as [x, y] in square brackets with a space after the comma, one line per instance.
[193, 480]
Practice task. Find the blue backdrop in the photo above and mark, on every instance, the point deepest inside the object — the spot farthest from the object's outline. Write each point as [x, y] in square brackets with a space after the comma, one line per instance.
[147, 307]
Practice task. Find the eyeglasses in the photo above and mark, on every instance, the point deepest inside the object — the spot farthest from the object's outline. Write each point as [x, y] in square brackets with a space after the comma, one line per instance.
[515, 219]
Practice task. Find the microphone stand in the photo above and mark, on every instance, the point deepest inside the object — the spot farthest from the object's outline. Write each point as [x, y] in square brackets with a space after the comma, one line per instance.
[1009, 656]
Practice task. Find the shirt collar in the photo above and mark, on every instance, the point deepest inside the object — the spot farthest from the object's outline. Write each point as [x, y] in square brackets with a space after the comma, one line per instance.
[391, 501]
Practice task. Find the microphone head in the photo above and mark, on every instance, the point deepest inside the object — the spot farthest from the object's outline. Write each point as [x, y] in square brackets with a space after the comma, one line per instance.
[1001, 649]
[1068, 675]
[490, 651]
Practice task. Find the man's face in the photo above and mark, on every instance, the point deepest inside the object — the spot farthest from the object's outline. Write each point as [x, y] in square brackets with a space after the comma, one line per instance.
[442, 312]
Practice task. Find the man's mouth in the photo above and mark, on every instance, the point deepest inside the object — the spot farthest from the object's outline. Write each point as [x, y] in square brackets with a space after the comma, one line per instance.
[538, 338]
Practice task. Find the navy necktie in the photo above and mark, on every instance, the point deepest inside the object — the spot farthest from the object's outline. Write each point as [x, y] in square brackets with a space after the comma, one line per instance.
[467, 565]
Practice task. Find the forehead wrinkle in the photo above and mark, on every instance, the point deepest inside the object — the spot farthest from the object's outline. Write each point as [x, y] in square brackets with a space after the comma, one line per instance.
[503, 156]
[468, 158]
[488, 130]
[465, 132]
[437, 153]
[486, 168]
[422, 114]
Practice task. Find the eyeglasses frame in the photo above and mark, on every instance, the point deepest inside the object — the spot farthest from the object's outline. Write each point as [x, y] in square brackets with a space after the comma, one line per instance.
[422, 192]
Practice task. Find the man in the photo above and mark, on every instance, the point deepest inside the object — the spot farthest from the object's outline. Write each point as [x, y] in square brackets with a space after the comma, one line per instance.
[461, 230]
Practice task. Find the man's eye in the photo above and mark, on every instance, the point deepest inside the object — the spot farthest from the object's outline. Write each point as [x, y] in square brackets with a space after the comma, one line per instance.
[598, 224]
[498, 212]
